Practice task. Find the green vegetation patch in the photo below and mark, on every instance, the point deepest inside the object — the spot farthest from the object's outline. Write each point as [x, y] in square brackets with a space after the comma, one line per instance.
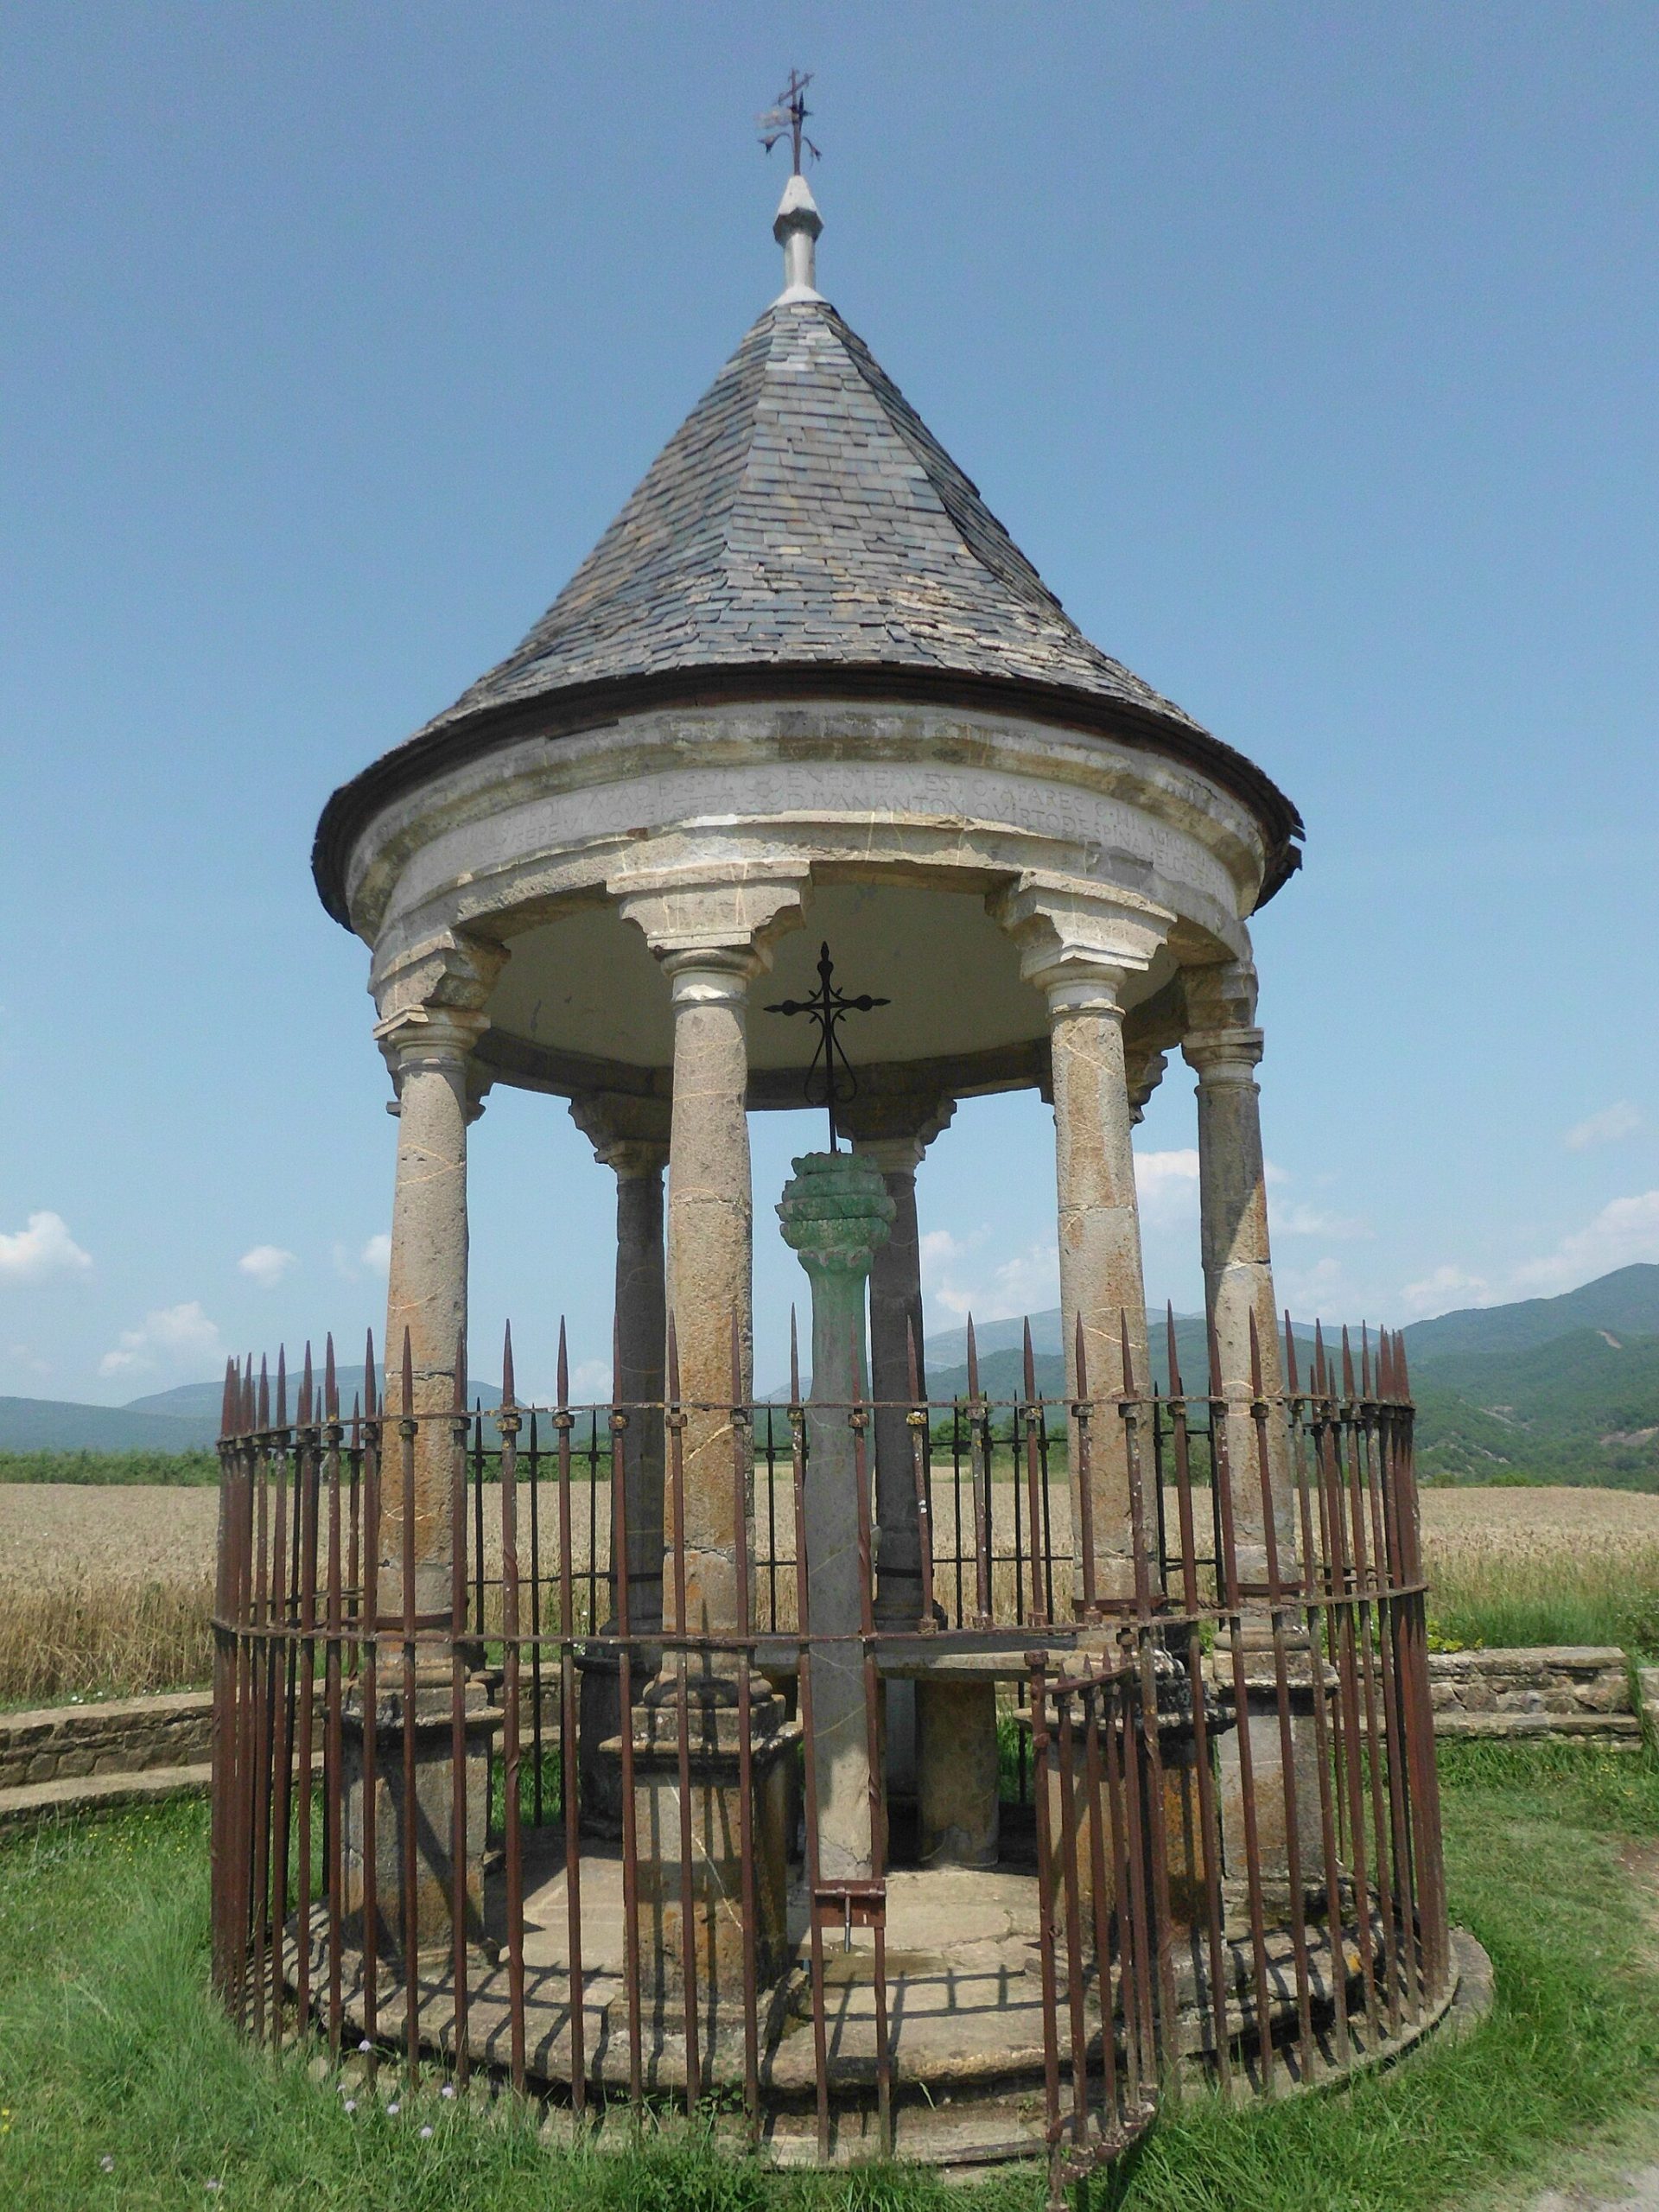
[121, 2085]
[185, 1469]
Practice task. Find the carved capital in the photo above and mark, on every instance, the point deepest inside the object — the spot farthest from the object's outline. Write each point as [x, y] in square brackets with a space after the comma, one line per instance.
[452, 972]
[895, 1129]
[836, 1213]
[715, 925]
[1218, 1056]
[1222, 996]
[628, 1135]
[1143, 1068]
[1079, 945]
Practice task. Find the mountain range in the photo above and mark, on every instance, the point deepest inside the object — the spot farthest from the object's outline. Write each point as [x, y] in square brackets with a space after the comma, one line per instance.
[1552, 1389]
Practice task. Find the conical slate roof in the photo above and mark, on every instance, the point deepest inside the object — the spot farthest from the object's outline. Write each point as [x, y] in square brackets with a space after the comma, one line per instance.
[803, 532]
[804, 513]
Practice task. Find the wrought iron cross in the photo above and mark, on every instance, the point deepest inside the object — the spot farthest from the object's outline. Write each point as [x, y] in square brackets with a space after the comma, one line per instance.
[826, 1085]
[787, 119]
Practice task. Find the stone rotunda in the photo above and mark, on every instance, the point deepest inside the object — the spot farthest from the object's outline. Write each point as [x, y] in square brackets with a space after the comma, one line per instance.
[806, 686]
[805, 691]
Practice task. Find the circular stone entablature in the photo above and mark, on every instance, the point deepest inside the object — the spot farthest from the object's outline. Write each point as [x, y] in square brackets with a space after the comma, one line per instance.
[901, 822]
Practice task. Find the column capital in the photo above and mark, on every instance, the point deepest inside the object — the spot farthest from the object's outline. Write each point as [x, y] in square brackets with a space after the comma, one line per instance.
[448, 972]
[629, 1134]
[1223, 1055]
[430, 1036]
[894, 1132]
[1143, 1067]
[835, 1213]
[714, 926]
[1080, 944]
[1220, 996]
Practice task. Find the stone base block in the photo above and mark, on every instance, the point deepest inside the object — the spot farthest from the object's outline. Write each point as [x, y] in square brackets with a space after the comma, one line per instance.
[376, 1828]
[957, 1797]
[693, 1907]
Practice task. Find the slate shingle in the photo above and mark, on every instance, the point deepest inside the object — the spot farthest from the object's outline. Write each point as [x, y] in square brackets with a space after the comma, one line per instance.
[803, 514]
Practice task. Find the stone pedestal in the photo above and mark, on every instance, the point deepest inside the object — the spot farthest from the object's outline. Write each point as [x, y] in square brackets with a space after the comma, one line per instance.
[711, 1879]
[1176, 1781]
[834, 1213]
[380, 1827]
[956, 1796]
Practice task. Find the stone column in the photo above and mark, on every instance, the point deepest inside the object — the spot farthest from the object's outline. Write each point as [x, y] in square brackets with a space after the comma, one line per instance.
[836, 1213]
[712, 938]
[630, 1136]
[430, 1006]
[430, 1003]
[895, 1319]
[1081, 948]
[1224, 1047]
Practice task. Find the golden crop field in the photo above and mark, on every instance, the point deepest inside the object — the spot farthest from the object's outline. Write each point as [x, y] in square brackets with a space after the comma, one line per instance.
[110, 1590]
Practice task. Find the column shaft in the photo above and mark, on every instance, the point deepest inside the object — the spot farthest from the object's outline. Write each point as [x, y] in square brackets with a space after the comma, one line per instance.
[426, 1293]
[1238, 1287]
[895, 1318]
[641, 1329]
[709, 1270]
[1101, 1282]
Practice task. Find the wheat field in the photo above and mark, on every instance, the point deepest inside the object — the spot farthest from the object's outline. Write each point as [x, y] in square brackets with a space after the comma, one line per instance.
[109, 1591]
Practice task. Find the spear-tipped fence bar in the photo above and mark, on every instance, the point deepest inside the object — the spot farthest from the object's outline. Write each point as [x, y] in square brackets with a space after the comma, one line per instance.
[1219, 1790]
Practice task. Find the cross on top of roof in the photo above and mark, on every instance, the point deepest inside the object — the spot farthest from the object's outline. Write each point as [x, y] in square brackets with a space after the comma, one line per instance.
[787, 119]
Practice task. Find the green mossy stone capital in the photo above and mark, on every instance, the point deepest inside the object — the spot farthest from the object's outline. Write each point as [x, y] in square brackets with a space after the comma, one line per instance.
[835, 1211]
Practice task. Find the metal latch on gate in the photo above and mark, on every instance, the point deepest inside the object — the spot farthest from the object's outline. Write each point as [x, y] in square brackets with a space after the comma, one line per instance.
[847, 1905]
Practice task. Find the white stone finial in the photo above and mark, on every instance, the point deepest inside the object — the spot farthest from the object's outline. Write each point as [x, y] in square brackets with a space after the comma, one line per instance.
[796, 227]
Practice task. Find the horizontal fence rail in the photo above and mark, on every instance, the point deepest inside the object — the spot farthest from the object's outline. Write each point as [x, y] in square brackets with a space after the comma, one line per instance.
[497, 1782]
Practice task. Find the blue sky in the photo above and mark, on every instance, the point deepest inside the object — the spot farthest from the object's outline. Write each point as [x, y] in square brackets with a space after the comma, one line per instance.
[1308, 350]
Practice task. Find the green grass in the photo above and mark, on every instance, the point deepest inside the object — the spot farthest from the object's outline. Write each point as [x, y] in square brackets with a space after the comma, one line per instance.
[110, 2048]
[184, 1468]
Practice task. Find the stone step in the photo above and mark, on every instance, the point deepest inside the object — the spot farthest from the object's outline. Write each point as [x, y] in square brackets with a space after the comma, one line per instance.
[35, 1802]
[1622, 1728]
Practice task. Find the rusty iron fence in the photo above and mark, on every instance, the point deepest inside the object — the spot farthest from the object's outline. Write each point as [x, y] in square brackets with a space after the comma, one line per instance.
[505, 1821]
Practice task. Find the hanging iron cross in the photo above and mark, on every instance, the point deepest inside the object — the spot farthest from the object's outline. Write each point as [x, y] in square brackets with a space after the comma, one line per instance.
[829, 1080]
[786, 119]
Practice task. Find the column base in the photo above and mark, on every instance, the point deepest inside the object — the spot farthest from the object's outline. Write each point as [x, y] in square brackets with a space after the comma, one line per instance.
[379, 1830]
[695, 1910]
[958, 1809]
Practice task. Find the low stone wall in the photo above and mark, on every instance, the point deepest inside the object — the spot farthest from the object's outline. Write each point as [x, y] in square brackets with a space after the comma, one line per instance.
[1564, 1691]
[128, 1735]
[1571, 1691]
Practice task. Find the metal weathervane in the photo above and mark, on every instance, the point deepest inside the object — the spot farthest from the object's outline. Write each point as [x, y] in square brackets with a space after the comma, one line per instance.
[787, 119]
[829, 1080]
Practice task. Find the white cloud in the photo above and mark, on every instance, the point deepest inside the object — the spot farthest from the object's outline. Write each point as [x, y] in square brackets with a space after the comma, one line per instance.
[1447, 1288]
[375, 1255]
[1625, 1231]
[1619, 1120]
[590, 1382]
[1166, 1185]
[172, 1336]
[45, 1248]
[1300, 1220]
[955, 1277]
[268, 1264]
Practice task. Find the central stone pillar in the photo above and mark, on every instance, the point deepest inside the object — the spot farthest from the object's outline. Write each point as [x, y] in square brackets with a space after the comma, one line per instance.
[630, 1136]
[836, 1213]
[1081, 948]
[430, 1004]
[712, 938]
